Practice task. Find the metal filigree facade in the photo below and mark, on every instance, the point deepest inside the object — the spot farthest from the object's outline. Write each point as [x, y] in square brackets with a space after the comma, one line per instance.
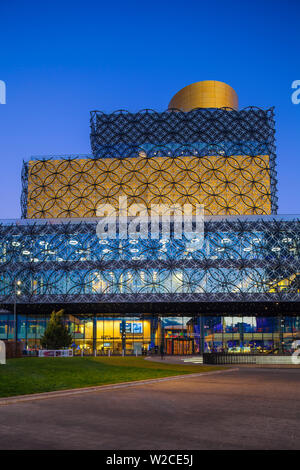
[249, 259]
[223, 159]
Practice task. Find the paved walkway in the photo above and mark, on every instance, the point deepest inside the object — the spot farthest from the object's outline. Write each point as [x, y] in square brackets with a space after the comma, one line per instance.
[199, 360]
[243, 409]
[176, 359]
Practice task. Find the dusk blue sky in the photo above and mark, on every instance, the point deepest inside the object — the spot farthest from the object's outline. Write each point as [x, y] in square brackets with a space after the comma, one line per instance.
[62, 59]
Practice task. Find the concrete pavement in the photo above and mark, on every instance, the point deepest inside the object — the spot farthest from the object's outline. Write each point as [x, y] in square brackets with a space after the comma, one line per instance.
[244, 409]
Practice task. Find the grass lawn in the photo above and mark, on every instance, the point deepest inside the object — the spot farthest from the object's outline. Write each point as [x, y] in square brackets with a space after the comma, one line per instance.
[35, 375]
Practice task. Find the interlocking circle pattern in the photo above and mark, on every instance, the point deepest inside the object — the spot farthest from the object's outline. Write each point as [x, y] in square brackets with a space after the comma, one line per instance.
[222, 159]
[76, 187]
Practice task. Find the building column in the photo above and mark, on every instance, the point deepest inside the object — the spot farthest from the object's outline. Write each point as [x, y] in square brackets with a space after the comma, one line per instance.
[94, 333]
[281, 329]
[201, 334]
[124, 336]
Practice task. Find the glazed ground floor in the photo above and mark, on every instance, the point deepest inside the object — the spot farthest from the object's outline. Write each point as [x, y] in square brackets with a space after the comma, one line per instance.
[150, 334]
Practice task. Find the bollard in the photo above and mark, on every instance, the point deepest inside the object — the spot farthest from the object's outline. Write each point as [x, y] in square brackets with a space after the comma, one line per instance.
[95, 352]
[2, 353]
[82, 353]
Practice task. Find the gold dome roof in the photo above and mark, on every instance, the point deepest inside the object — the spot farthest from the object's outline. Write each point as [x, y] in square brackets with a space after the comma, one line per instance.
[205, 94]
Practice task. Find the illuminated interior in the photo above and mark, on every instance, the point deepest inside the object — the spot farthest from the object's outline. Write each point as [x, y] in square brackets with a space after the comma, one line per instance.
[180, 335]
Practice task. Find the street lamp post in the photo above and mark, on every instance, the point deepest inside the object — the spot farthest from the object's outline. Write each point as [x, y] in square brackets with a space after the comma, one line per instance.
[17, 292]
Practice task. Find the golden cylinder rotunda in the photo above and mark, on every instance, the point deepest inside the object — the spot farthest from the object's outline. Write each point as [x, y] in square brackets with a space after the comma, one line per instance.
[205, 94]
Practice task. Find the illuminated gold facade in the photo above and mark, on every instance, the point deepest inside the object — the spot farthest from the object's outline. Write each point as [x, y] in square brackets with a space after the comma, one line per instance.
[205, 94]
[224, 185]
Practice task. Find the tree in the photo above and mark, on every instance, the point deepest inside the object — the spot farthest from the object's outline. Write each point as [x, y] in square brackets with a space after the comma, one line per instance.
[56, 335]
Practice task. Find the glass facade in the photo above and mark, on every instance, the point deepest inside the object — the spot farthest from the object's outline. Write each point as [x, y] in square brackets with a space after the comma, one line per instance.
[179, 335]
[251, 259]
[246, 258]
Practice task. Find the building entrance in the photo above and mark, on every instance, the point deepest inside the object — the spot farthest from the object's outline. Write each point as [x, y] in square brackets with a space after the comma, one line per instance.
[179, 346]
